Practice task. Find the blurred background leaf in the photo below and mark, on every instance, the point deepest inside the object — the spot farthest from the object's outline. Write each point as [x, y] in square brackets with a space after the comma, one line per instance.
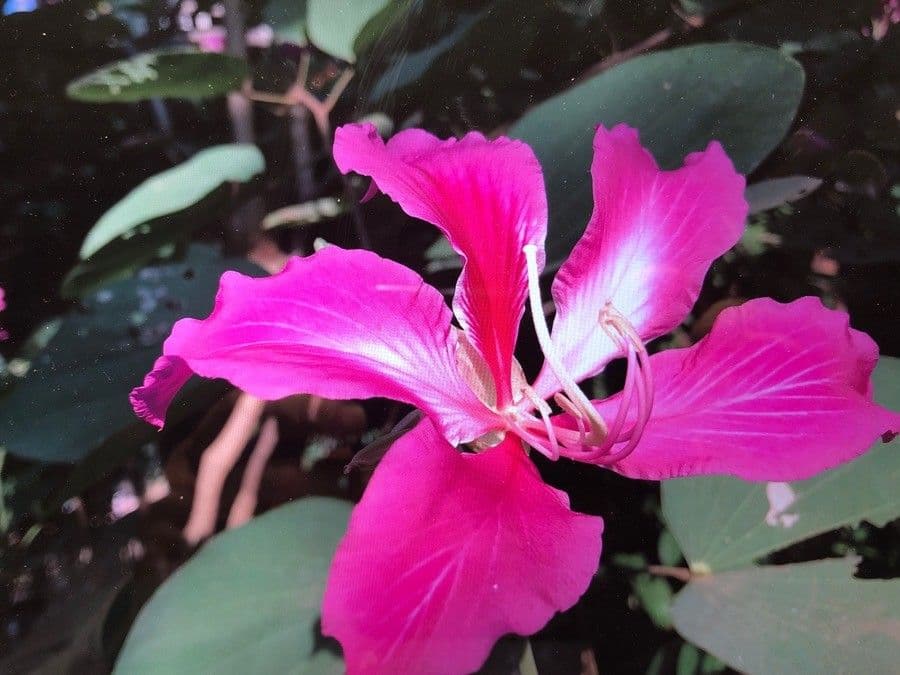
[808, 617]
[247, 602]
[173, 190]
[75, 392]
[742, 95]
[334, 24]
[287, 18]
[176, 73]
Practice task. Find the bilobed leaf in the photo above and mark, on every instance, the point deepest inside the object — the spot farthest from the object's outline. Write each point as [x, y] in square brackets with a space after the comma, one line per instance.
[247, 603]
[334, 24]
[724, 523]
[172, 191]
[75, 393]
[810, 618]
[740, 94]
[173, 73]
[768, 194]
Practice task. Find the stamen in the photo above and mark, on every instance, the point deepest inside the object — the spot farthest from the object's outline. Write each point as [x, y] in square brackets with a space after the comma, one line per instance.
[570, 408]
[643, 383]
[638, 385]
[645, 408]
[545, 412]
[579, 401]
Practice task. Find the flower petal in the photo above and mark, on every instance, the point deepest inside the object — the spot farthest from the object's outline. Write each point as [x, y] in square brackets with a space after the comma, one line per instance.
[338, 324]
[446, 552]
[774, 392]
[487, 197]
[650, 241]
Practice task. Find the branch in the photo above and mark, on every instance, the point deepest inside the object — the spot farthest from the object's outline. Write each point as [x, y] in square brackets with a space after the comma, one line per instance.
[680, 573]
[616, 58]
[244, 505]
[216, 463]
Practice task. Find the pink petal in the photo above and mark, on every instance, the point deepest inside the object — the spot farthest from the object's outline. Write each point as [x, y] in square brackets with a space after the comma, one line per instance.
[446, 552]
[487, 197]
[339, 324]
[646, 249]
[774, 392]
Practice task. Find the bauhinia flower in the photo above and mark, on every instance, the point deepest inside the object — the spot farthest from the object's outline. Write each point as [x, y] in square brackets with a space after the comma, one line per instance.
[457, 540]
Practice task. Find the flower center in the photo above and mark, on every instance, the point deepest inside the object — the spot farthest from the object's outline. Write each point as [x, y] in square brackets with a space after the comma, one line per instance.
[593, 440]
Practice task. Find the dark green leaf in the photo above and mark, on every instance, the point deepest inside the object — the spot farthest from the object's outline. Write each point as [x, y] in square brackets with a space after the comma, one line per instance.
[247, 603]
[177, 73]
[805, 618]
[408, 67]
[740, 94]
[75, 394]
[721, 523]
[288, 19]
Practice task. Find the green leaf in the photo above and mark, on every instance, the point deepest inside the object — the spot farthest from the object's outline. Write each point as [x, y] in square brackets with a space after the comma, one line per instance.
[409, 67]
[688, 660]
[175, 73]
[740, 94]
[75, 393]
[172, 191]
[667, 549]
[122, 258]
[655, 596]
[769, 194]
[721, 523]
[334, 24]
[809, 618]
[380, 26]
[247, 602]
[288, 19]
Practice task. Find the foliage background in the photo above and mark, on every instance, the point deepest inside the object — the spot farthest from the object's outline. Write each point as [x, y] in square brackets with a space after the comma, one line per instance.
[76, 568]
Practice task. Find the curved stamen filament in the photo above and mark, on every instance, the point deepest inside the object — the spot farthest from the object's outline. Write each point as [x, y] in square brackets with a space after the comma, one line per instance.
[638, 384]
[568, 407]
[645, 408]
[545, 412]
[577, 398]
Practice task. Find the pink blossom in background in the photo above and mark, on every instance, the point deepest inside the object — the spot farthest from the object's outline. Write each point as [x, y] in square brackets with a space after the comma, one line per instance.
[4, 335]
[213, 39]
[448, 549]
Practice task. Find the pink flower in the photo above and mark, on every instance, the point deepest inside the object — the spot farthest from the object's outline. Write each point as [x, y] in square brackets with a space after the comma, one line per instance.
[449, 550]
[4, 335]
